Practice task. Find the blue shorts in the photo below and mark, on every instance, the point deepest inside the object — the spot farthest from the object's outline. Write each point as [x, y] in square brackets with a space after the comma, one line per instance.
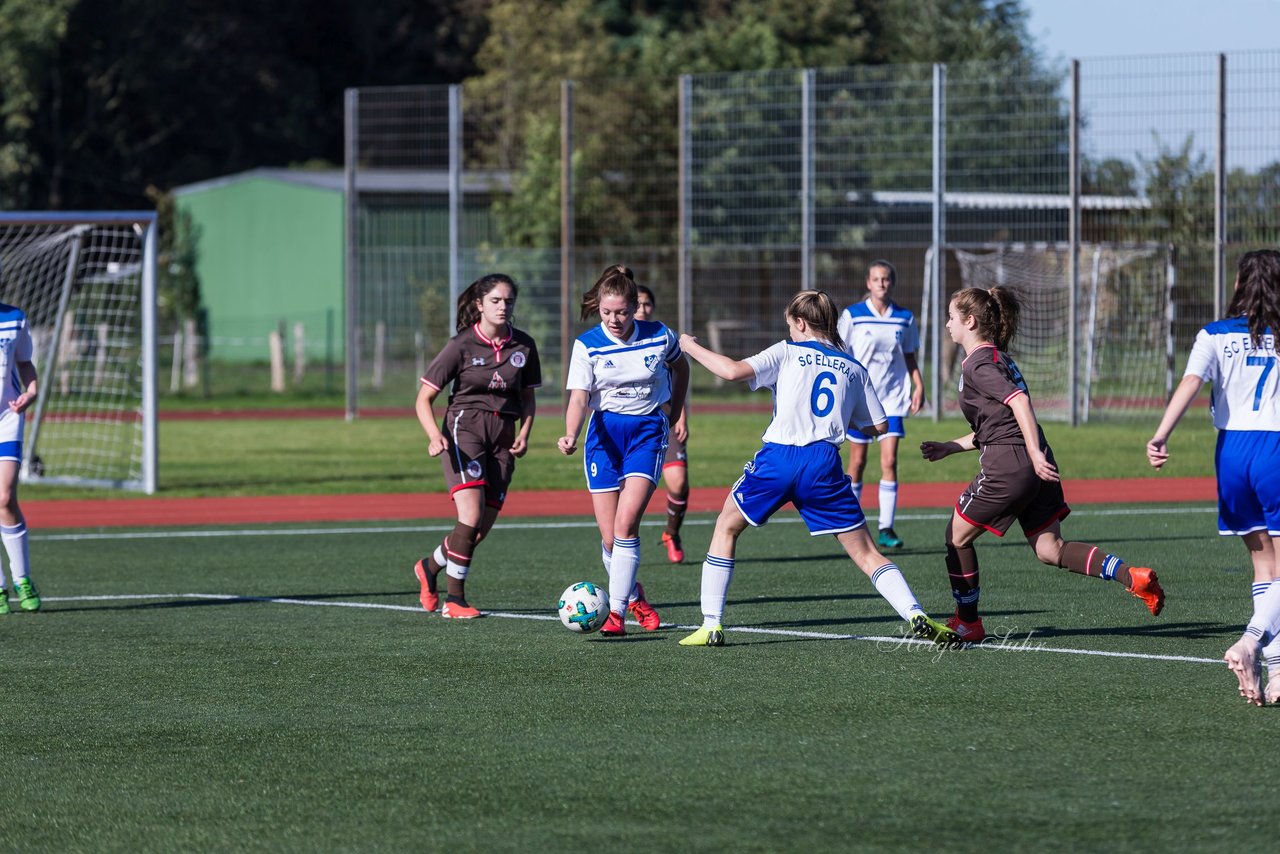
[810, 476]
[1248, 488]
[623, 446]
[897, 427]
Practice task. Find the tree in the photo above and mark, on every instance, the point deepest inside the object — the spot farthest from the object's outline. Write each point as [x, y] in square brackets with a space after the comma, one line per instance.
[104, 98]
[31, 32]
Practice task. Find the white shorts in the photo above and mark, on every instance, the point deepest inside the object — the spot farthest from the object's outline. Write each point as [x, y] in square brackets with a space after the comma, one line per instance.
[11, 425]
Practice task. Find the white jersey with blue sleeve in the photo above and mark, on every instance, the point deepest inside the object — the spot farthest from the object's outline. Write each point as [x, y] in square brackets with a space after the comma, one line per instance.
[817, 391]
[627, 377]
[880, 342]
[15, 347]
[1246, 383]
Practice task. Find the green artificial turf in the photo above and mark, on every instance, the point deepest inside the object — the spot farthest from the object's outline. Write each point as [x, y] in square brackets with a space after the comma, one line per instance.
[348, 719]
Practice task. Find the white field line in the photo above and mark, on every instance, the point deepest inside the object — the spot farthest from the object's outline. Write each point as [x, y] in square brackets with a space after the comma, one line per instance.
[1007, 644]
[516, 526]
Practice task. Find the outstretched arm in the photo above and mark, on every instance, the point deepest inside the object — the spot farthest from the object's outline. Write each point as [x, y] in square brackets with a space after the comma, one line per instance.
[734, 370]
[1158, 447]
[934, 451]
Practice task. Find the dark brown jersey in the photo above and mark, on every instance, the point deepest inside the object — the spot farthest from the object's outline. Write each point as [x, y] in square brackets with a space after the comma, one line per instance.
[988, 382]
[488, 375]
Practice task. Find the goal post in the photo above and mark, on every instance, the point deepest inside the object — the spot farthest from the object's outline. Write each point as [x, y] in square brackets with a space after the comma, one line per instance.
[87, 283]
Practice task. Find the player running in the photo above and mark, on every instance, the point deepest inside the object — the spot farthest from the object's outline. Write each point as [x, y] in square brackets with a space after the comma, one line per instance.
[622, 372]
[818, 390]
[675, 466]
[1237, 356]
[1019, 477]
[494, 369]
[882, 335]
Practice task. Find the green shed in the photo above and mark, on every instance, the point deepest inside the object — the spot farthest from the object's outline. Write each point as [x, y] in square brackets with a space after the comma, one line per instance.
[269, 246]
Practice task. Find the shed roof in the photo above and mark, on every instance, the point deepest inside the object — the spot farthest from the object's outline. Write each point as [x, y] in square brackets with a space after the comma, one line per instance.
[367, 180]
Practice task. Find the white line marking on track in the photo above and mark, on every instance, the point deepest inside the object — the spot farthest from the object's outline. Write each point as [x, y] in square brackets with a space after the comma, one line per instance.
[992, 645]
[513, 526]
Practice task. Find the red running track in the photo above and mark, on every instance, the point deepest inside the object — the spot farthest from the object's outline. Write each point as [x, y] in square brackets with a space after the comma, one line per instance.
[335, 508]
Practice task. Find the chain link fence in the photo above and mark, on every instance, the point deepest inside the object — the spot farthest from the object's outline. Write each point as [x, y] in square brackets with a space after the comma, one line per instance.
[1115, 194]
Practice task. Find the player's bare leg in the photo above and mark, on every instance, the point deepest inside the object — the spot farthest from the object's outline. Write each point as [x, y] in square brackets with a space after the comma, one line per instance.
[1242, 658]
[676, 478]
[857, 465]
[892, 585]
[887, 537]
[1093, 561]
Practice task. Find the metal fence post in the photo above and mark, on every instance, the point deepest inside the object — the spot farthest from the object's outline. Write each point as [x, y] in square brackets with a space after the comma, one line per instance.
[684, 282]
[1220, 195]
[352, 150]
[455, 203]
[1073, 238]
[566, 232]
[938, 258]
[806, 179]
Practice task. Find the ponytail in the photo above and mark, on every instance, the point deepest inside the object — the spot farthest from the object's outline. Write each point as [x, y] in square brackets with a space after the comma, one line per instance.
[616, 280]
[819, 313]
[995, 310]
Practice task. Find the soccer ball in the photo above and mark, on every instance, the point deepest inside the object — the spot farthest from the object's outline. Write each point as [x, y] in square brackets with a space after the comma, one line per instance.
[584, 607]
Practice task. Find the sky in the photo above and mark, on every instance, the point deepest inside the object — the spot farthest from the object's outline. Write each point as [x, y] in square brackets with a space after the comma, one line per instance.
[1079, 29]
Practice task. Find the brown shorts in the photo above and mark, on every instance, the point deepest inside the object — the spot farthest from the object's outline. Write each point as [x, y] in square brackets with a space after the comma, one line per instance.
[1007, 488]
[479, 452]
[677, 455]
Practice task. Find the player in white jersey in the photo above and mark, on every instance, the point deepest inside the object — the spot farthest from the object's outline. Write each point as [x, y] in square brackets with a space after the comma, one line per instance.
[883, 336]
[622, 372]
[818, 390]
[17, 393]
[1238, 357]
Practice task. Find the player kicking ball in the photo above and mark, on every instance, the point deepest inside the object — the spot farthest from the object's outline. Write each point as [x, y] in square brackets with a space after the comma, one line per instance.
[818, 389]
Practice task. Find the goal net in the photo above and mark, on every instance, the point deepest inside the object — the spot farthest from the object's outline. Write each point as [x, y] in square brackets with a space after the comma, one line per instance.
[87, 284]
[1122, 355]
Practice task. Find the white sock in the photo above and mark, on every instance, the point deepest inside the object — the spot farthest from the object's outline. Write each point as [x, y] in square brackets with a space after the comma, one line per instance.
[1270, 654]
[622, 573]
[1259, 587]
[1271, 657]
[890, 584]
[606, 556]
[888, 503]
[857, 491]
[717, 572]
[15, 543]
[1266, 614]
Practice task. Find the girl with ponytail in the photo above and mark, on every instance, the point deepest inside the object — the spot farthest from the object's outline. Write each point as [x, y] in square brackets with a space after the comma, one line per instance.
[1018, 480]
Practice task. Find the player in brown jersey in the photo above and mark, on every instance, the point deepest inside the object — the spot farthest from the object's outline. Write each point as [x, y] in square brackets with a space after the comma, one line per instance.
[494, 369]
[675, 467]
[1019, 478]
